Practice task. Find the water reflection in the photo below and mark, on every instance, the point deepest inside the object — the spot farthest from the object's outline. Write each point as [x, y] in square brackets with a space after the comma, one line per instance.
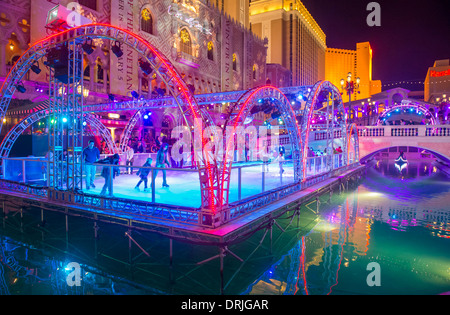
[25, 269]
[401, 220]
[409, 240]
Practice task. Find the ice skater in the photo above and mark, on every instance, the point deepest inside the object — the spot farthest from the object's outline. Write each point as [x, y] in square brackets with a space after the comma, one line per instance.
[161, 162]
[280, 160]
[106, 173]
[143, 174]
[90, 155]
[129, 153]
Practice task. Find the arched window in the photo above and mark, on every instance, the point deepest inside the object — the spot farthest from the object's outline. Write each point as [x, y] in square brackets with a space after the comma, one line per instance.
[254, 72]
[87, 73]
[146, 21]
[99, 71]
[210, 51]
[185, 43]
[144, 85]
[234, 62]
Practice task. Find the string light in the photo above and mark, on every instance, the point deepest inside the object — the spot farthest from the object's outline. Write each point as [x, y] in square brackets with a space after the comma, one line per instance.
[414, 82]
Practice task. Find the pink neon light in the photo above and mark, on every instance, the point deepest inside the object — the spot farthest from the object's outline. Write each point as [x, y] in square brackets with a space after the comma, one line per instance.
[310, 114]
[237, 121]
[342, 248]
[303, 269]
[169, 68]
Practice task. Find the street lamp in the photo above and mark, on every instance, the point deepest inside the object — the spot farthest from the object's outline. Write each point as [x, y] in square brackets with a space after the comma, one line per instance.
[350, 87]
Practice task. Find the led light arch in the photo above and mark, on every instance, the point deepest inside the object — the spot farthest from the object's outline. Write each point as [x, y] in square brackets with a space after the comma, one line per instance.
[160, 64]
[408, 107]
[242, 109]
[20, 127]
[308, 113]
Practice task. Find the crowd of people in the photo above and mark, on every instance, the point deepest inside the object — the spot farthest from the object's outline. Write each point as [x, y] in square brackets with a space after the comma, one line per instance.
[146, 145]
[314, 153]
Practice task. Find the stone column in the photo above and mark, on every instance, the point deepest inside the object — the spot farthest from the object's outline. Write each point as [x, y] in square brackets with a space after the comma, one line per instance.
[3, 44]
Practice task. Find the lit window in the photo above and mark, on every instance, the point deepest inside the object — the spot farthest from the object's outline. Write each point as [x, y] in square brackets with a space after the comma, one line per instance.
[210, 51]
[186, 44]
[146, 21]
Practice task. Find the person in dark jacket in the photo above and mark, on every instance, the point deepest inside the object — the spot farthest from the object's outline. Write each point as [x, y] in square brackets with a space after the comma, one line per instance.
[162, 161]
[143, 174]
[106, 173]
[140, 148]
[90, 155]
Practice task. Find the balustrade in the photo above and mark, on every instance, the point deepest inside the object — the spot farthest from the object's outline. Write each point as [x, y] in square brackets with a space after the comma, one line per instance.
[403, 131]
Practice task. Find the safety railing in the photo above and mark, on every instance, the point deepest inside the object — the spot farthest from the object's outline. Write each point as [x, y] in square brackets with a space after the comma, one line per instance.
[165, 193]
[247, 178]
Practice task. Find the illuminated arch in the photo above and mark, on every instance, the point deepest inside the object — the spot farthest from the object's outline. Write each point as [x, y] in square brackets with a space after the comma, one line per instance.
[320, 91]
[240, 111]
[406, 107]
[159, 63]
[20, 127]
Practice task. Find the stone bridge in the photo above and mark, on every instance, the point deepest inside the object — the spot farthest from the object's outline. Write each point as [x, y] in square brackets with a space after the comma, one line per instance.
[433, 138]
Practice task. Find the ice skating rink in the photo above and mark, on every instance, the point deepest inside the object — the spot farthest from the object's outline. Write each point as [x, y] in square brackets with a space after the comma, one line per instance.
[184, 184]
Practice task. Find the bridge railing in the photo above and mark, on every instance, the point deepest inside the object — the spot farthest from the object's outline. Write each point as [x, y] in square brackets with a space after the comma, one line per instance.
[405, 131]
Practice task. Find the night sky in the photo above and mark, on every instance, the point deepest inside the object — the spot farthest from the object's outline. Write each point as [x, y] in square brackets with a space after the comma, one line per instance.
[412, 35]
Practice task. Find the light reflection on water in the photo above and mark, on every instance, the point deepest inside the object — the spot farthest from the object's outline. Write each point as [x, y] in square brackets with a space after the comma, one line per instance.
[399, 219]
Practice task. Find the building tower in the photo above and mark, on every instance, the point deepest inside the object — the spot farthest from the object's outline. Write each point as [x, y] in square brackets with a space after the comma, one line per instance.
[339, 62]
[296, 42]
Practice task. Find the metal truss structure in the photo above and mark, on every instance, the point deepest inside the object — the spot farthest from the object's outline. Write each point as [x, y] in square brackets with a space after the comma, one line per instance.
[201, 99]
[73, 38]
[353, 139]
[324, 93]
[237, 115]
[67, 110]
[408, 107]
[66, 107]
[91, 124]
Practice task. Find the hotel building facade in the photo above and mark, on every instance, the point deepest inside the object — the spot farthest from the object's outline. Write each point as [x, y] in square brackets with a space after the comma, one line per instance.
[340, 62]
[208, 41]
[296, 42]
[437, 82]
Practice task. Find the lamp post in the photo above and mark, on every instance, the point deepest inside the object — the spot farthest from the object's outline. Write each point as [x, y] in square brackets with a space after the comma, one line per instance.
[350, 87]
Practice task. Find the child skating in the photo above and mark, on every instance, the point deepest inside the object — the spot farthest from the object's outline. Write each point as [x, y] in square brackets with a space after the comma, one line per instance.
[143, 174]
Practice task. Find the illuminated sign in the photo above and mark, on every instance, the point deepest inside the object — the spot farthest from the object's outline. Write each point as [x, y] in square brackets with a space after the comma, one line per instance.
[439, 73]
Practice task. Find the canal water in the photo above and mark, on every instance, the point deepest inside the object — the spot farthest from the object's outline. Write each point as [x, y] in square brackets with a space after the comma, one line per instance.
[386, 233]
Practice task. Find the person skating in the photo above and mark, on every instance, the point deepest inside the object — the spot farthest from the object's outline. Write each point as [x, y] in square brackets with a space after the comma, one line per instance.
[161, 162]
[90, 155]
[129, 153]
[106, 172]
[143, 174]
